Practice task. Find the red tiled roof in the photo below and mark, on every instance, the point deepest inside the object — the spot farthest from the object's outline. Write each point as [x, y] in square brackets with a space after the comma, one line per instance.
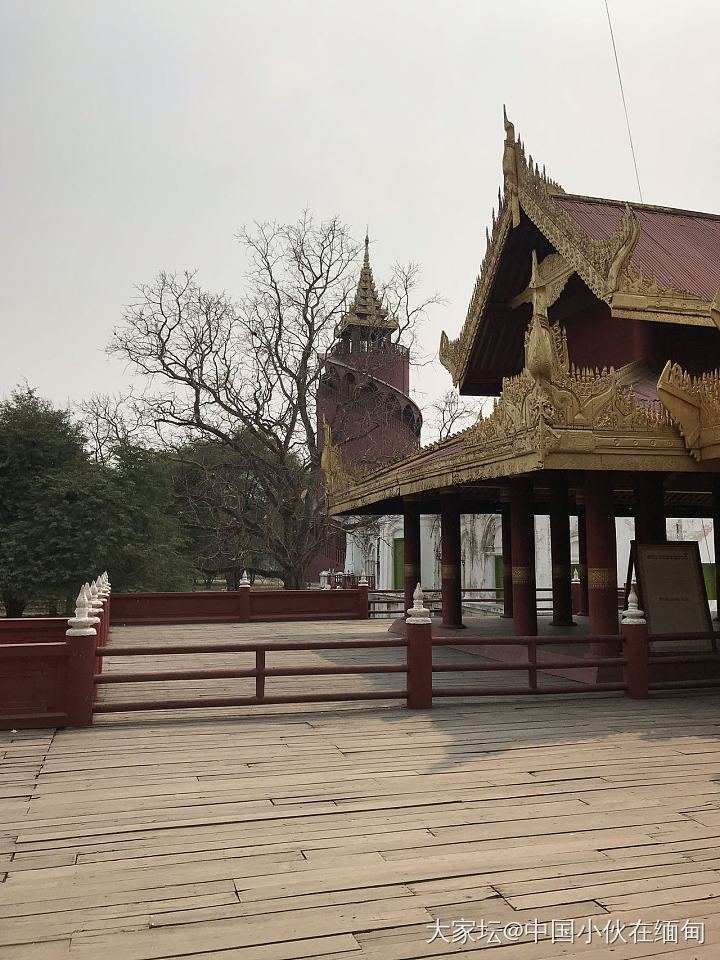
[679, 248]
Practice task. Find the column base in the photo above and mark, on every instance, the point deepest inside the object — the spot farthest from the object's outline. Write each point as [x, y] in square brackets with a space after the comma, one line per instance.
[564, 623]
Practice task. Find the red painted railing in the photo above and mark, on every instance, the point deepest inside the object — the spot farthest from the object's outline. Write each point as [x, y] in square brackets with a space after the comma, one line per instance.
[261, 672]
[54, 682]
[46, 674]
[239, 606]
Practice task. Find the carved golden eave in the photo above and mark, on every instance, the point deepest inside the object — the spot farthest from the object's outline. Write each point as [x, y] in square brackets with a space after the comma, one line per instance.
[454, 354]
[338, 477]
[605, 266]
[715, 310]
[552, 415]
[694, 403]
[598, 262]
[637, 296]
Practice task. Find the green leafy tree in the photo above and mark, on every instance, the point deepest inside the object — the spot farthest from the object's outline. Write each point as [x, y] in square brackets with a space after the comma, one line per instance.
[144, 540]
[64, 517]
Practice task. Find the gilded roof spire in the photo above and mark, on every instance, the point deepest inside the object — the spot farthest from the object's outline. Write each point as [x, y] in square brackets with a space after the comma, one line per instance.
[367, 309]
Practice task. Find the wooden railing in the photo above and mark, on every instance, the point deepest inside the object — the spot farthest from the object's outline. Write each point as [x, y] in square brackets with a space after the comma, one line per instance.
[243, 605]
[72, 668]
[530, 665]
[261, 672]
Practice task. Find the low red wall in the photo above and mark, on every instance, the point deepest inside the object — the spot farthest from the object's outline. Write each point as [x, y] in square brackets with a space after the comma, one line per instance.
[239, 606]
[200, 607]
[33, 684]
[46, 680]
[32, 629]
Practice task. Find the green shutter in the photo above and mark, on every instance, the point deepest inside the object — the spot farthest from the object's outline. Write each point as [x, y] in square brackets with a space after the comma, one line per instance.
[398, 563]
[709, 571]
[499, 575]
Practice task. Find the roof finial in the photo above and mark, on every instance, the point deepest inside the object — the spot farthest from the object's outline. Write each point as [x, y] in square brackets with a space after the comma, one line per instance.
[367, 236]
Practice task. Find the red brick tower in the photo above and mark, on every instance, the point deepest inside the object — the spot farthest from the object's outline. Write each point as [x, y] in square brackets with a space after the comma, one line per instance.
[364, 395]
[364, 390]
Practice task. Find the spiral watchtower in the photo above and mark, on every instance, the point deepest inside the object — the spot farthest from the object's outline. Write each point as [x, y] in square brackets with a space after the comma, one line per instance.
[364, 389]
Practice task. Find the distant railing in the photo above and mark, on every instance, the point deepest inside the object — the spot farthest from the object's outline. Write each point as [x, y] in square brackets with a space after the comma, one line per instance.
[349, 581]
[243, 605]
[389, 603]
[349, 347]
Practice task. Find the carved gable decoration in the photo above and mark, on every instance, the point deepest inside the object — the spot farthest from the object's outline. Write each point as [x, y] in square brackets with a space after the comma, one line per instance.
[604, 265]
[694, 404]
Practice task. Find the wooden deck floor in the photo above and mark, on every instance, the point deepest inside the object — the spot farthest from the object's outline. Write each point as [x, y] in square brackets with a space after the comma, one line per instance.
[343, 832]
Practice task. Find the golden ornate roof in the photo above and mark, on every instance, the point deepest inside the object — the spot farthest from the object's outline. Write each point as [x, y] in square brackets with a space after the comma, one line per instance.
[655, 263]
[367, 309]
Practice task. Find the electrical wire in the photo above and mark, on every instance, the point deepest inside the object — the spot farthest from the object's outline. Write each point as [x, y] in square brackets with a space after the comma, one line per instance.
[622, 94]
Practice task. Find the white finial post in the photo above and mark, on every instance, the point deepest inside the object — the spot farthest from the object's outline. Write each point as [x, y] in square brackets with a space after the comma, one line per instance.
[419, 654]
[82, 639]
[576, 575]
[93, 601]
[635, 648]
[245, 598]
[363, 597]
[633, 614]
[417, 613]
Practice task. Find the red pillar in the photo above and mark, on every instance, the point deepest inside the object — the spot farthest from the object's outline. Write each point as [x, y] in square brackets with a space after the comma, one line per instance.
[560, 550]
[506, 553]
[716, 540]
[411, 550]
[523, 557]
[419, 662]
[636, 670]
[363, 600]
[582, 609]
[649, 508]
[601, 556]
[450, 551]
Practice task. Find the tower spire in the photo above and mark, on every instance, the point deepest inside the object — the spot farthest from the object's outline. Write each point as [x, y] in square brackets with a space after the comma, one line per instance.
[367, 309]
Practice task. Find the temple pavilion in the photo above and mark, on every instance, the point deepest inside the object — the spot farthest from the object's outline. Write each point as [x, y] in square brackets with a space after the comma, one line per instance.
[596, 325]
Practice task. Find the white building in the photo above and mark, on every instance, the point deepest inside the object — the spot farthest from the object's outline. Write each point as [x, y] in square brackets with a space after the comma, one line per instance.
[380, 552]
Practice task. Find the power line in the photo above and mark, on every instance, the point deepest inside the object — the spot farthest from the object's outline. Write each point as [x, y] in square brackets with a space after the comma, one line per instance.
[622, 94]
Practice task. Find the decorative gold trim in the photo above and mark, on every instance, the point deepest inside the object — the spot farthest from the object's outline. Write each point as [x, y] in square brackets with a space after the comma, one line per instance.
[450, 571]
[552, 414]
[604, 265]
[522, 574]
[694, 404]
[602, 578]
[715, 310]
[455, 354]
[338, 477]
[551, 274]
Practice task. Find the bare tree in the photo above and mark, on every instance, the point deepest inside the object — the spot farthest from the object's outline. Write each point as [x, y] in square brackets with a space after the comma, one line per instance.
[245, 373]
[450, 413]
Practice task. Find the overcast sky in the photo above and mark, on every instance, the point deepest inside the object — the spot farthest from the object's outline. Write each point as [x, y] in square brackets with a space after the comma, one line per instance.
[138, 135]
